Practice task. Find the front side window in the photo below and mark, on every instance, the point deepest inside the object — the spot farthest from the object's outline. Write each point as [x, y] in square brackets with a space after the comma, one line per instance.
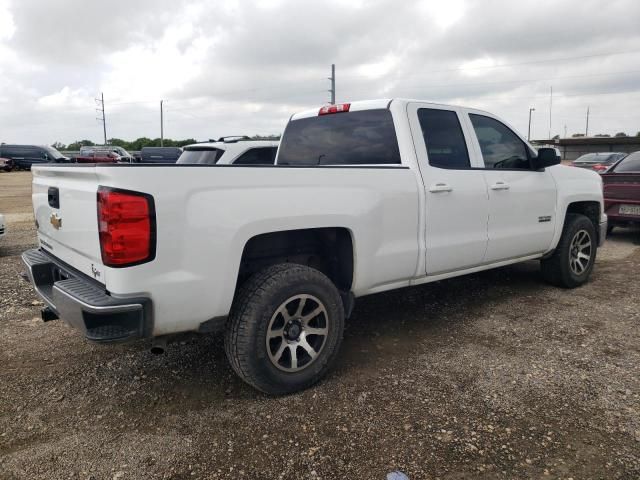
[630, 164]
[257, 156]
[365, 137]
[501, 148]
[443, 137]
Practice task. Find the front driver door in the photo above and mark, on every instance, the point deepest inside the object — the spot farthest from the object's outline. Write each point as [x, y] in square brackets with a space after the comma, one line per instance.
[522, 201]
[455, 195]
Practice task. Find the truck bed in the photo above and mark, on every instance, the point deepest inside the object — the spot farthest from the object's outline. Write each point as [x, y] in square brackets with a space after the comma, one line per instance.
[198, 212]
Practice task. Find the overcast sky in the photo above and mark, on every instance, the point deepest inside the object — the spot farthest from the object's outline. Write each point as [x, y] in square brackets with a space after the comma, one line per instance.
[242, 67]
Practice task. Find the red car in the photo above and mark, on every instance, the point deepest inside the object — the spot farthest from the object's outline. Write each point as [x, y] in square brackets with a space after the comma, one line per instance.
[6, 164]
[622, 191]
[98, 156]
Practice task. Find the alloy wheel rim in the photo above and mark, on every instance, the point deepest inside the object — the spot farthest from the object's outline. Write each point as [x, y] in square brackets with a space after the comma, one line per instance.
[297, 333]
[580, 252]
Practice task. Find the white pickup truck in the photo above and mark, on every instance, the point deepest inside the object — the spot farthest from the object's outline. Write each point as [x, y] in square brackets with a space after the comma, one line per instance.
[365, 197]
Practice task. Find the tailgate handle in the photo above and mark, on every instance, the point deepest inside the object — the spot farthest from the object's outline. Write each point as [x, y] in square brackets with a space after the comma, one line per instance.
[53, 196]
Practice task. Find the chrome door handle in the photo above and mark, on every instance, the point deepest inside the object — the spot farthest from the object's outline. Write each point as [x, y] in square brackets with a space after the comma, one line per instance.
[440, 187]
[500, 186]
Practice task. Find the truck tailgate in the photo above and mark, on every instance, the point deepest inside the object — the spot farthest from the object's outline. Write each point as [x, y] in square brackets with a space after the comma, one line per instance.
[65, 209]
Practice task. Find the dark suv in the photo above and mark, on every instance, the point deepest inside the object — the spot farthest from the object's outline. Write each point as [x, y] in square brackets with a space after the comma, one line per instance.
[160, 154]
[23, 156]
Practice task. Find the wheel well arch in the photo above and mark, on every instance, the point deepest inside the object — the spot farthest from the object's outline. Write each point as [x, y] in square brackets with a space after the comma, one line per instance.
[590, 209]
[329, 250]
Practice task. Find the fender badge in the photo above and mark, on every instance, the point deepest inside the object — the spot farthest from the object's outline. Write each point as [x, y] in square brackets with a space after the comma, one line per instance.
[56, 221]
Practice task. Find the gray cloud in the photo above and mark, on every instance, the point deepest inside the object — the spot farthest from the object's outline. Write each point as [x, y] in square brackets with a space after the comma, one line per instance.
[242, 67]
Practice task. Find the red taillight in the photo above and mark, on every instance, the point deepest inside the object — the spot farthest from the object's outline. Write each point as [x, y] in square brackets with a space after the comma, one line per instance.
[341, 107]
[126, 225]
[598, 167]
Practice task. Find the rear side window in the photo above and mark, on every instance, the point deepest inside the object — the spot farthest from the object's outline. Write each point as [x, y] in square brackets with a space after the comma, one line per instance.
[201, 156]
[354, 138]
[631, 164]
[501, 148]
[257, 156]
[443, 137]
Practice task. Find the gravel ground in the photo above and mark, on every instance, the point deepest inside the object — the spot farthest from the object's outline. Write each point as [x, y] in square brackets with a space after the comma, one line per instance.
[493, 375]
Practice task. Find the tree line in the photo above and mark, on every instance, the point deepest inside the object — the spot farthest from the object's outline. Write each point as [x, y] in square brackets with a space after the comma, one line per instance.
[141, 142]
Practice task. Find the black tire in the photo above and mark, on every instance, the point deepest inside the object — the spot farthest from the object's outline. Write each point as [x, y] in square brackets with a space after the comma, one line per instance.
[557, 269]
[609, 229]
[252, 315]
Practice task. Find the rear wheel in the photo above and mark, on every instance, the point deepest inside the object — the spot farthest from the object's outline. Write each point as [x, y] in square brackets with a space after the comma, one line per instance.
[285, 328]
[574, 257]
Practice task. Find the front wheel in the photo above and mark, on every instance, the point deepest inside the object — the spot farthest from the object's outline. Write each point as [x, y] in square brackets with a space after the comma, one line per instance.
[572, 262]
[285, 328]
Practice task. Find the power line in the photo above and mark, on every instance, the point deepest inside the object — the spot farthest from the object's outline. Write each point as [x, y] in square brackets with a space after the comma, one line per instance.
[504, 65]
[524, 82]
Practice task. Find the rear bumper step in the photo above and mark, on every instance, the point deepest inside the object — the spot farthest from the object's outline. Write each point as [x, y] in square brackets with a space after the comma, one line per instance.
[79, 301]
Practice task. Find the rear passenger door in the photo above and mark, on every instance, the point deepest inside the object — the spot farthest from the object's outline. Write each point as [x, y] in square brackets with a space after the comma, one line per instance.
[522, 201]
[456, 195]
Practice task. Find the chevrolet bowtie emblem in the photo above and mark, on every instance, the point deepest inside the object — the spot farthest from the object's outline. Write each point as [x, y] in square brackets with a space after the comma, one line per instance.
[56, 221]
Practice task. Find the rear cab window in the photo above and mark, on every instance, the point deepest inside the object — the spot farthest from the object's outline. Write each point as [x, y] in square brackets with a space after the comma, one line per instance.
[201, 156]
[630, 164]
[364, 137]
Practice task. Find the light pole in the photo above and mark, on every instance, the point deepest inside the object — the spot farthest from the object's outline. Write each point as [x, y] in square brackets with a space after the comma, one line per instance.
[529, 132]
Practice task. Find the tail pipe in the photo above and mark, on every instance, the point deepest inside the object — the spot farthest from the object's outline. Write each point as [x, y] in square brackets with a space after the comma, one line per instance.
[158, 345]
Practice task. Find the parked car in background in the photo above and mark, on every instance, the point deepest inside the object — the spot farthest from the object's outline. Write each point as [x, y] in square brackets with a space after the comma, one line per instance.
[124, 155]
[599, 162]
[3, 229]
[622, 191]
[231, 151]
[99, 156]
[366, 197]
[6, 164]
[160, 154]
[24, 156]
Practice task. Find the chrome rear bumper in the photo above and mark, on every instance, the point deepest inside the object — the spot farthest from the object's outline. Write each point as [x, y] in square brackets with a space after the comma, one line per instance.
[84, 303]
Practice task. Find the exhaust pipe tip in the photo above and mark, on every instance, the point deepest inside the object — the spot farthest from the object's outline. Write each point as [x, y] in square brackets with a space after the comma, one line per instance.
[47, 314]
[158, 346]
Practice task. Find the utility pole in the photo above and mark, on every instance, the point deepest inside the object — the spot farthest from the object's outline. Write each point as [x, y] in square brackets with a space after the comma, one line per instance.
[550, 107]
[529, 132]
[586, 130]
[333, 84]
[565, 131]
[102, 118]
[161, 125]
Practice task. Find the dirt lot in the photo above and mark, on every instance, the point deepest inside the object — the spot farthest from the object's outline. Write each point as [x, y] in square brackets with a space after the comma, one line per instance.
[494, 375]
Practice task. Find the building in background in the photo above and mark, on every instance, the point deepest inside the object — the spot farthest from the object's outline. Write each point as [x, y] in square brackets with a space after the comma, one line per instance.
[572, 148]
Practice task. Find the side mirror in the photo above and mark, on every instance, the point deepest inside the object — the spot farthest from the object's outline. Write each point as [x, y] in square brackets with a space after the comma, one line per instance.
[547, 157]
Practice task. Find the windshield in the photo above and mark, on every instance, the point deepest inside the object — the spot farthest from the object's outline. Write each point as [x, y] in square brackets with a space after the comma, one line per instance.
[201, 155]
[121, 151]
[353, 138]
[630, 164]
[53, 153]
